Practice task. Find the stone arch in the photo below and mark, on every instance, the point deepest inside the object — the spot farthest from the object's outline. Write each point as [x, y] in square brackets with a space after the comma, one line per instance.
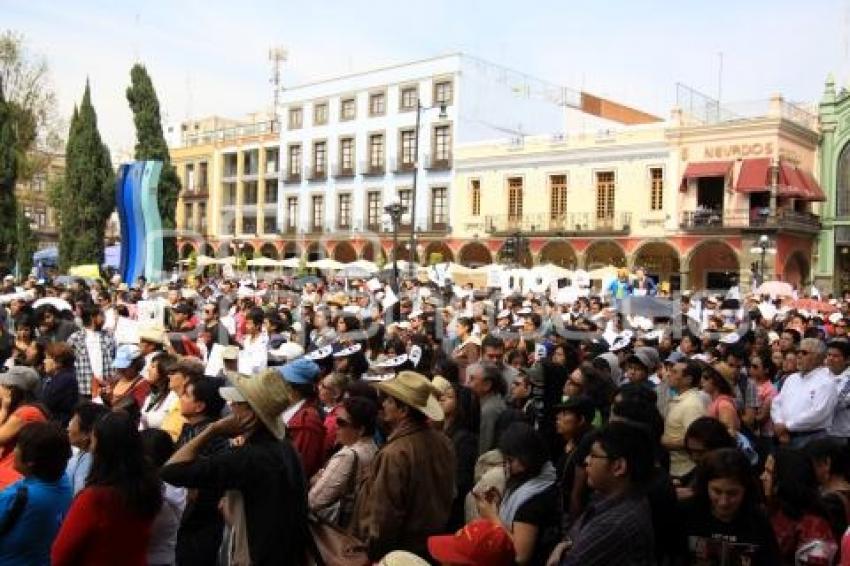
[842, 181]
[290, 249]
[344, 252]
[796, 270]
[248, 250]
[559, 252]
[441, 248]
[713, 264]
[368, 253]
[186, 250]
[474, 254]
[659, 259]
[269, 250]
[206, 249]
[315, 251]
[603, 253]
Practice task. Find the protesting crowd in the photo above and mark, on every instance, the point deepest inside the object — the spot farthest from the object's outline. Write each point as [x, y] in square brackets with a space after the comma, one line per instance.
[216, 421]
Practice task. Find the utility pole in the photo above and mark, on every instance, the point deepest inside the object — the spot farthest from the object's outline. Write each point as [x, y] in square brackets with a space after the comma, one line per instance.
[277, 55]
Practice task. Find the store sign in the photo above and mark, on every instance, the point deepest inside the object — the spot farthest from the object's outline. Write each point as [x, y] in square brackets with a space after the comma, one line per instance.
[737, 150]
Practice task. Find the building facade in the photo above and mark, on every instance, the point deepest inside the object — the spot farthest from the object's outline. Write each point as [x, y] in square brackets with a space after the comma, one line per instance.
[688, 199]
[34, 199]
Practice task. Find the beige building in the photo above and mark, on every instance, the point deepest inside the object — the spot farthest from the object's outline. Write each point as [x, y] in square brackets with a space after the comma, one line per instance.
[687, 199]
[33, 197]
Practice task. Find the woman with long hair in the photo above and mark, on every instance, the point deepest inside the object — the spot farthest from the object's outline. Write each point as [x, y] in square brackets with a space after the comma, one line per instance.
[528, 509]
[457, 404]
[723, 521]
[331, 391]
[161, 399]
[795, 510]
[110, 521]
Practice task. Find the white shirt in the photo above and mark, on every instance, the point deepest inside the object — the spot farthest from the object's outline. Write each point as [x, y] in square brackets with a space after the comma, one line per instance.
[806, 403]
[841, 418]
[163, 541]
[154, 417]
[95, 353]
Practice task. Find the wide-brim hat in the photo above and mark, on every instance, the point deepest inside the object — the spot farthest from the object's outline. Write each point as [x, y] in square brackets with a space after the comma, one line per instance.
[153, 334]
[338, 299]
[265, 392]
[414, 389]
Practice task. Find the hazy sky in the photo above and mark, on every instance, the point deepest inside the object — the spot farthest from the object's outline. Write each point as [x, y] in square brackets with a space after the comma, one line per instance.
[211, 57]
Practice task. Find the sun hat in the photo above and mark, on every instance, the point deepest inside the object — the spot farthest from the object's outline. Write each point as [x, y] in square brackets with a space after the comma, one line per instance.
[338, 299]
[153, 334]
[726, 371]
[402, 558]
[23, 377]
[124, 356]
[347, 350]
[300, 371]
[287, 351]
[641, 358]
[480, 543]
[265, 392]
[440, 384]
[320, 353]
[414, 389]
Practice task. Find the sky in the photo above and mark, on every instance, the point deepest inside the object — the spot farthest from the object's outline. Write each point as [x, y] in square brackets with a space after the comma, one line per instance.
[211, 57]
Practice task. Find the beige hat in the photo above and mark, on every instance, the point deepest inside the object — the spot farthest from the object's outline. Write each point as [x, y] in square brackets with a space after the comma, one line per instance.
[402, 558]
[230, 353]
[339, 299]
[267, 394]
[414, 389]
[441, 384]
[154, 334]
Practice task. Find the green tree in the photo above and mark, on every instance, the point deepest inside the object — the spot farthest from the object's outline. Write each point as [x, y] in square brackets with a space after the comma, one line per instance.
[8, 176]
[26, 244]
[87, 195]
[150, 145]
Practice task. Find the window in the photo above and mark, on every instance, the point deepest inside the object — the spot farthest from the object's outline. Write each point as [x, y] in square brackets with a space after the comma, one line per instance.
[346, 155]
[39, 183]
[294, 161]
[442, 144]
[443, 92]
[373, 210]
[269, 224]
[190, 178]
[318, 213]
[295, 118]
[344, 211]
[377, 104]
[228, 221]
[515, 198]
[376, 152]
[202, 176]
[251, 162]
[270, 192]
[229, 197]
[605, 195]
[476, 197]
[558, 196]
[319, 158]
[230, 165]
[249, 195]
[320, 114]
[404, 198]
[656, 179]
[408, 149]
[347, 109]
[409, 97]
[202, 217]
[41, 217]
[272, 160]
[439, 208]
[249, 224]
[188, 221]
[291, 213]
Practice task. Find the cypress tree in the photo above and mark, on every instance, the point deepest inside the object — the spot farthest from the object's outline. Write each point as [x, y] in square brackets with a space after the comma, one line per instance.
[88, 193]
[8, 175]
[150, 145]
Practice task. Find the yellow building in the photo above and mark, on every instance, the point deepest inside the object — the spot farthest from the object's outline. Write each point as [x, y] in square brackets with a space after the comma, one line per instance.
[229, 175]
[687, 199]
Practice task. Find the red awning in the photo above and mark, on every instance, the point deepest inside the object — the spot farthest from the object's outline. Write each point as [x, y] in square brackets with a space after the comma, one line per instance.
[797, 183]
[705, 169]
[754, 176]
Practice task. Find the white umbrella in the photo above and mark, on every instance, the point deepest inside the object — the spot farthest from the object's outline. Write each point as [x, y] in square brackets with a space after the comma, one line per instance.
[60, 304]
[263, 262]
[326, 264]
[553, 271]
[775, 289]
[364, 265]
[204, 260]
[226, 261]
[292, 262]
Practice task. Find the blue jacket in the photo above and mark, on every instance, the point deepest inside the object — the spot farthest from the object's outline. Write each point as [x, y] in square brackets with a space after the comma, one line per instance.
[28, 542]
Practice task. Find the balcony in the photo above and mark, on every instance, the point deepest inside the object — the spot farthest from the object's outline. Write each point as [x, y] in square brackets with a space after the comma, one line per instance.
[755, 218]
[435, 226]
[373, 169]
[400, 166]
[317, 174]
[289, 229]
[293, 176]
[438, 162]
[340, 172]
[229, 174]
[572, 224]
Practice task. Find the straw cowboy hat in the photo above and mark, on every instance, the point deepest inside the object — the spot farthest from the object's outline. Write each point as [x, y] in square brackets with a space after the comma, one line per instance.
[338, 299]
[267, 394]
[414, 389]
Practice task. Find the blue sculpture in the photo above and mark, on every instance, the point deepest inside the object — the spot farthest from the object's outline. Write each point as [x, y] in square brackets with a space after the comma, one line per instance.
[141, 226]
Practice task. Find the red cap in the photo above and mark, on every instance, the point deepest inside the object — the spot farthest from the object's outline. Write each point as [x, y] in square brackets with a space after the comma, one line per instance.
[480, 543]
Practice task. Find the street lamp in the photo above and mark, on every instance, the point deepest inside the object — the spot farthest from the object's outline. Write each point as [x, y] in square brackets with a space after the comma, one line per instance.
[392, 215]
[443, 115]
[763, 248]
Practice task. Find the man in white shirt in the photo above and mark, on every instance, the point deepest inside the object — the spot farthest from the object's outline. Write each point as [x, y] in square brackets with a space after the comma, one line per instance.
[837, 361]
[803, 409]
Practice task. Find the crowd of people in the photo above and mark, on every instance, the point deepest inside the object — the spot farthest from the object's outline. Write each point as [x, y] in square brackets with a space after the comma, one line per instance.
[430, 424]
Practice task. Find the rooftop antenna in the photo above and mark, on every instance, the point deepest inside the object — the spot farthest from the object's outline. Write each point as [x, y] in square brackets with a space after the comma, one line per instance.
[719, 78]
[277, 55]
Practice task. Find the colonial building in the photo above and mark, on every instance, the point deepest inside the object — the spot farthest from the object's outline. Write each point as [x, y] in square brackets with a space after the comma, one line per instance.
[33, 197]
[688, 199]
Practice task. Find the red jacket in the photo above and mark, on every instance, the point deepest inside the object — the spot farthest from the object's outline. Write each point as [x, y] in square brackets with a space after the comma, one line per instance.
[100, 530]
[307, 433]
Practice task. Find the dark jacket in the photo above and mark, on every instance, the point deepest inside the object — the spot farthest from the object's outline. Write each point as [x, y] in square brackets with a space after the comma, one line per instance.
[267, 473]
[408, 495]
[59, 395]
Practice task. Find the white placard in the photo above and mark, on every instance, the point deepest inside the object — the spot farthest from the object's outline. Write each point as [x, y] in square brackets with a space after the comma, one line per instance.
[389, 299]
[215, 361]
[151, 313]
[126, 331]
